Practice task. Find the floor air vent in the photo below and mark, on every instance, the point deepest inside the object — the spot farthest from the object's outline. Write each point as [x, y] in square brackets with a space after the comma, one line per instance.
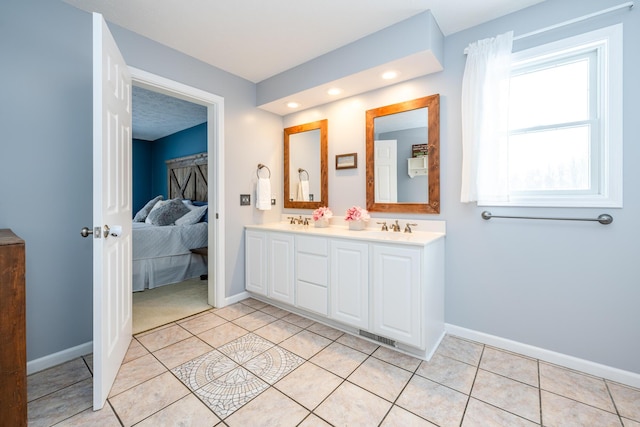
[378, 338]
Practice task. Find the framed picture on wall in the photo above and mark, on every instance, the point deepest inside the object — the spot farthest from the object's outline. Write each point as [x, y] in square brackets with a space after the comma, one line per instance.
[347, 161]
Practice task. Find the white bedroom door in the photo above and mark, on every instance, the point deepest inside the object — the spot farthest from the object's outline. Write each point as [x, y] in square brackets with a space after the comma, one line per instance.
[112, 294]
[386, 171]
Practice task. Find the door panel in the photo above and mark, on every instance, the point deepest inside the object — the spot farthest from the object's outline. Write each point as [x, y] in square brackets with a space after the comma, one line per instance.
[386, 171]
[112, 294]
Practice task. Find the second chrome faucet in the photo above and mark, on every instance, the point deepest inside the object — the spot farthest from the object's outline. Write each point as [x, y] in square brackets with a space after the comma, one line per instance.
[396, 227]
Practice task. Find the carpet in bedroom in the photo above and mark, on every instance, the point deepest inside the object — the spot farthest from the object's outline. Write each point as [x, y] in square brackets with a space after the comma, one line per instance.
[166, 304]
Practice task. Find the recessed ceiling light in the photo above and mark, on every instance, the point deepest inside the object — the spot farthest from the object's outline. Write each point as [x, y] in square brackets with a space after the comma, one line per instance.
[334, 91]
[293, 104]
[389, 75]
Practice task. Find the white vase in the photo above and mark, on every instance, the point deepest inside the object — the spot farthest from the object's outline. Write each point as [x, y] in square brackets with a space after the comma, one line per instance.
[356, 225]
[321, 223]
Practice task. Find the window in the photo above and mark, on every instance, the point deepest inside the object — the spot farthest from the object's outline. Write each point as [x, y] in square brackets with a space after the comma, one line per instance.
[565, 123]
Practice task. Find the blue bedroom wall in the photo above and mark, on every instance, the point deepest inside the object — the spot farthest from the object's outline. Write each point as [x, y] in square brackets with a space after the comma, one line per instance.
[184, 143]
[149, 157]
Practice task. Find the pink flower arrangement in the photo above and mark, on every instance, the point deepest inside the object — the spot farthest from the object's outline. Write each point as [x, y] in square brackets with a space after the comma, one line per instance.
[322, 213]
[356, 213]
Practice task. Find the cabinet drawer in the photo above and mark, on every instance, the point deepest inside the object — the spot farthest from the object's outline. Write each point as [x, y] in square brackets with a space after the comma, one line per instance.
[312, 245]
[312, 268]
[312, 297]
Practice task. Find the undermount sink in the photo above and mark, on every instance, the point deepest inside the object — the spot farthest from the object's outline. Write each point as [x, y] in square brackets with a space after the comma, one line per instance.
[389, 235]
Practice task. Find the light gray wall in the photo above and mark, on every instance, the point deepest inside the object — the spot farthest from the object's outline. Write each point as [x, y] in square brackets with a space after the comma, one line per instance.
[568, 287]
[46, 157]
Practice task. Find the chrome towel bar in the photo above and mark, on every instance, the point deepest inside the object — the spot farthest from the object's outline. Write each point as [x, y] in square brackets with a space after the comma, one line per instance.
[260, 166]
[602, 219]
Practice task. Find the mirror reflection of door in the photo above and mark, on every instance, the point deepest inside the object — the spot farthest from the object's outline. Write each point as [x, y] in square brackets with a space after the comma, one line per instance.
[386, 170]
[408, 129]
[304, 166]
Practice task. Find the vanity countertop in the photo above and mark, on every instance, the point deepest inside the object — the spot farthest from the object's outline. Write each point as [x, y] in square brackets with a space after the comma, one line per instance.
[415, 238]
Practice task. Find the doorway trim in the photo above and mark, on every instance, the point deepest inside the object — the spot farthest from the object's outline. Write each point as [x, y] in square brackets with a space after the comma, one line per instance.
[215, 174]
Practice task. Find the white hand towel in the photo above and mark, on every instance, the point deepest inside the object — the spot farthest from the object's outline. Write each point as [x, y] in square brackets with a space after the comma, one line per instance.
[303, 191]
[263, 194]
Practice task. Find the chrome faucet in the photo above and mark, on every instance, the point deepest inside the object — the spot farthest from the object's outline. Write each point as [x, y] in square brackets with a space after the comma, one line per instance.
[298, 220]
[395, 227]
[407, 228]
[384, 226]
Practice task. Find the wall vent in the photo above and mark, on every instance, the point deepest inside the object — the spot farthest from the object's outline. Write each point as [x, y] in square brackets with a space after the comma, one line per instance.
[378, 338]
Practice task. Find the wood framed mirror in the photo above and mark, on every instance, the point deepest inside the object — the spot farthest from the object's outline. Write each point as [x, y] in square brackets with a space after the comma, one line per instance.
[403, 157]
[306, 179]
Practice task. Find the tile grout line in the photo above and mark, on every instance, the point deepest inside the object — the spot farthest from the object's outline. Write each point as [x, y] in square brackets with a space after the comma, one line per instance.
[539, 390]
[475, 377]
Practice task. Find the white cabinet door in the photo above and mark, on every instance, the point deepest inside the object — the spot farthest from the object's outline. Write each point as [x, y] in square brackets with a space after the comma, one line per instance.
[397, 296]
[312, 274]
[349, 286]
[256, 262]
[281, 269]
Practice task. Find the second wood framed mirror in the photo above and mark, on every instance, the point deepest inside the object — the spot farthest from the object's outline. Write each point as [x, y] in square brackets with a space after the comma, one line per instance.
[403, 157]
[306, 180]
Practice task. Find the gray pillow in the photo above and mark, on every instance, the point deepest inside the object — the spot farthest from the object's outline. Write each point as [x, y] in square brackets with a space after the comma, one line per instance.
[141, 215]
[168, 213]
[195, 214]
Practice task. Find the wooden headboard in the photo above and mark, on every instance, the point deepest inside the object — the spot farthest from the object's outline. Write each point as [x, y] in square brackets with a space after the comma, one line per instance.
[187, 177]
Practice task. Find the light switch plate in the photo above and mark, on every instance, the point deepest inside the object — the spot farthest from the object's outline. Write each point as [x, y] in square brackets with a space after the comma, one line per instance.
[245, 199]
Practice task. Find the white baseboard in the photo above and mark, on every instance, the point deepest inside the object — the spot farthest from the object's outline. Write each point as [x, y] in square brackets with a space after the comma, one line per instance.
[54, 359]
[586, 366]
[235, 298]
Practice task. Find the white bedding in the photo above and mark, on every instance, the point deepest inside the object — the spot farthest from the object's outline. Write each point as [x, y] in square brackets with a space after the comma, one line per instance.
[161, 255]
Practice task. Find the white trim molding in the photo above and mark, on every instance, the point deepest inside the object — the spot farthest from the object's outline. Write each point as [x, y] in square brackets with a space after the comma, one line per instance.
[614, 374]
[54, 359]
[215, 148]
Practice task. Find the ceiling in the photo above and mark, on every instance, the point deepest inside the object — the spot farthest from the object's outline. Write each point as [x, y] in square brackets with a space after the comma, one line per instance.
[156, 115]
[257, 39]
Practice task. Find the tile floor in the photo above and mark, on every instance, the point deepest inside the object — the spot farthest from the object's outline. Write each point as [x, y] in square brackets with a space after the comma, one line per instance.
[252, 364]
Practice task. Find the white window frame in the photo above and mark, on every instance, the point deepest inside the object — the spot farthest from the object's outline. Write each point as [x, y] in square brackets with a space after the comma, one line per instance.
[606, 184]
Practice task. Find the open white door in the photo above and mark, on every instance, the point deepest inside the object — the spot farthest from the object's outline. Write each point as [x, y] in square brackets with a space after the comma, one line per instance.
[112, 293]
[386, 170]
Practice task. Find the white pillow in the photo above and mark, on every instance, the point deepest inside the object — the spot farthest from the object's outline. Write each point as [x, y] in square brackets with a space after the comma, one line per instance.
[192, 217]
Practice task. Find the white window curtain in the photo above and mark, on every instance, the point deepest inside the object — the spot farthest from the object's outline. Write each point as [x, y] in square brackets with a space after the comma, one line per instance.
[485, 107]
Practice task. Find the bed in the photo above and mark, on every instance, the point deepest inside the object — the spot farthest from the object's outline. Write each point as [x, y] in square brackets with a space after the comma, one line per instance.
[162, 246]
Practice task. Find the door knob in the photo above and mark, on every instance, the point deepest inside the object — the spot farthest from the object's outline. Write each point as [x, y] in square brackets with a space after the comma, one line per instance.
[97, 232]
[86, 231]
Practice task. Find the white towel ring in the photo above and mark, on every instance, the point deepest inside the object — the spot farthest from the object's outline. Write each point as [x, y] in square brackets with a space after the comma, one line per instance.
[300, 171]
[260, 166]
